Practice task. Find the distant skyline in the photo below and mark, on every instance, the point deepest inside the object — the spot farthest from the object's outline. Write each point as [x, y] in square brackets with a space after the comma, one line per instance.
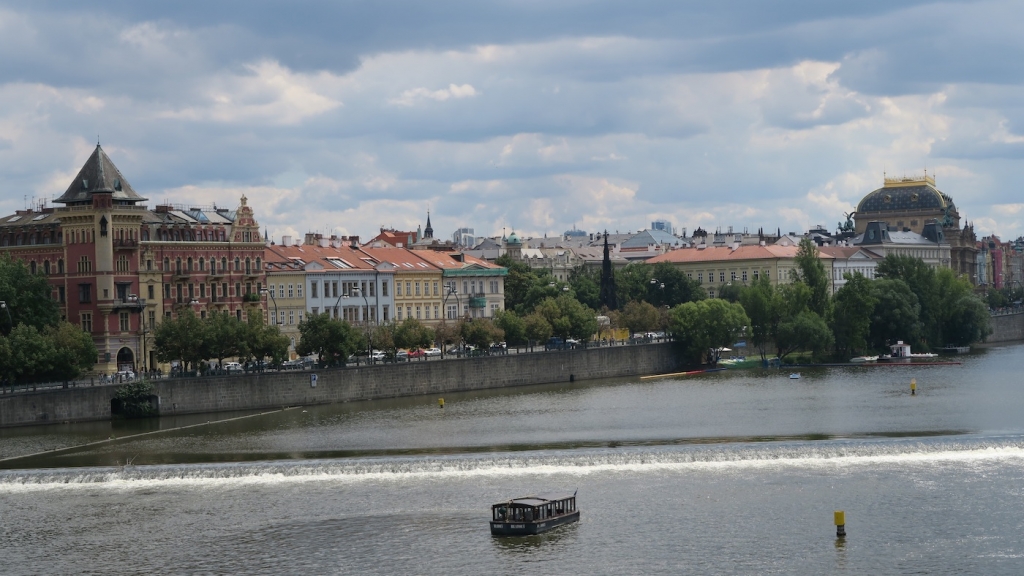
[342, 117]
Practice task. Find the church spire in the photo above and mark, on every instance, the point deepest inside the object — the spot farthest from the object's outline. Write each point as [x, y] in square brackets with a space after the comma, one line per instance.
[428, 232]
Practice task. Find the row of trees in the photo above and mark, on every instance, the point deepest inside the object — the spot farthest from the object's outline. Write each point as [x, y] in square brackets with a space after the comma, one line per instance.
[193, 341]
[35, 344]
[910, 301]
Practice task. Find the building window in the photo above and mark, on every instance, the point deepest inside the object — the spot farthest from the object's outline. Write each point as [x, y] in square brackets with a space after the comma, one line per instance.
[435, 289]
[399, 312]
[756, 274]
[298, 290]
[312, 290]
[151, 292]
[315, 311]
[84, 293]
[84, 265]
[398, 288]
[418, 315]
[386, 311]
[408, 288]
[732, 276]
[86, 321]
[384, 288]
[417, 288]
[721, 276]
[437, 311]
[291, 290]
[124, 322]
[60, 294]
[711, 293]
[700, 277]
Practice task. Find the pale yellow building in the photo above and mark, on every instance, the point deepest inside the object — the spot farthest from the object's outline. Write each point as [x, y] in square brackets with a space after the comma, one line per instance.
[717, 266]
[418, 291]
[285, 297]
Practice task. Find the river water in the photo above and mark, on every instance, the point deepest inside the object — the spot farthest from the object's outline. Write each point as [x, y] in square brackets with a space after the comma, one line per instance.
[729, 473]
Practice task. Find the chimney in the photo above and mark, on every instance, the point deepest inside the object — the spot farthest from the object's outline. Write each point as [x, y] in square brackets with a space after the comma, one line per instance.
[286, 240]
[323, 242]
[309, 239]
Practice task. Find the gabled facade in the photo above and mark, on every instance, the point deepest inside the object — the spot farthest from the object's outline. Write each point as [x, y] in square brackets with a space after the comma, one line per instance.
[418, 283]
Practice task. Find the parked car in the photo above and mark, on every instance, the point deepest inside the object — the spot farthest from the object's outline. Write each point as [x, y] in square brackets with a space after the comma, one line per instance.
[555, 343]
[417, 353]
[432, 352]
[232, 367]
[125, 375]
[571, 342]
[499, 348]
[401, 356]
[377, 355]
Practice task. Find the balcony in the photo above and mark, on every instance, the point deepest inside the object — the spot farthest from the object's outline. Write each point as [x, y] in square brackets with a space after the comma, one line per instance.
[478, 302]
[125, 244]
[181, 275]
[130, 302]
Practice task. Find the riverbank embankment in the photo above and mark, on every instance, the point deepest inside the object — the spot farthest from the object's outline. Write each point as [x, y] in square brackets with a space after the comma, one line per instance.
[272, 390]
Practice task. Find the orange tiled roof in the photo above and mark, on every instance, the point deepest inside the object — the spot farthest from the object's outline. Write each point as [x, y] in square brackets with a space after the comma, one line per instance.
[727, 253]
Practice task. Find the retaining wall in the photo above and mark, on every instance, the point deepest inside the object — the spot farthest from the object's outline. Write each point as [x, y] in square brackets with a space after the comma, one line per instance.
[277, 389]
[1007, 328]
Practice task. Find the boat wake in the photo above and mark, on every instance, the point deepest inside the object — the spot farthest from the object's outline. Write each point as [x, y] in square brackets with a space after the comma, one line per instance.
[700, 458]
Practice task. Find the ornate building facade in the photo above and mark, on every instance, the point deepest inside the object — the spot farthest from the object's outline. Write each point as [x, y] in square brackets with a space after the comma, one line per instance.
[909, 204]
[118, 268]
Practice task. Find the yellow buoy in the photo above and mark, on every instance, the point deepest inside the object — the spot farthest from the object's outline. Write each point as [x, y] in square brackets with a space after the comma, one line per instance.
[840, 520]
[913, 386]
[440, 402]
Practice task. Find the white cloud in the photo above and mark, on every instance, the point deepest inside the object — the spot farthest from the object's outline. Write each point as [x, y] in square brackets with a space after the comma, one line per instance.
[411, 97]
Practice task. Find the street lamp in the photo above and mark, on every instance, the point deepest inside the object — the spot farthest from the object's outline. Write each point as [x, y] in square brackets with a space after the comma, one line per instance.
[656, 282]
[3, 305]
[449, 291]
[274, 300]
[140, 307]
[366, 320]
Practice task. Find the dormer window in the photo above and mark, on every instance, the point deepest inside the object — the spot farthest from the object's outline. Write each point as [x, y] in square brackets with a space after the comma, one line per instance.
[117, 184]
[85, 184]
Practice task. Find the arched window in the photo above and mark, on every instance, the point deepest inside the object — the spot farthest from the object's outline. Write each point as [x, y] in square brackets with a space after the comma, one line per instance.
[46, 267]
[32, 266]
[177, 266]
[202, 264]
[248, 266]
[258, 264]
[223, 264]
[60, 266]
[167, 264]
[238, 264]
[190, 264]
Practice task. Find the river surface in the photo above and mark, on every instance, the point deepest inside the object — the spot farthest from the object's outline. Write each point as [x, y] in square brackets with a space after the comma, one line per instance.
[728, 473]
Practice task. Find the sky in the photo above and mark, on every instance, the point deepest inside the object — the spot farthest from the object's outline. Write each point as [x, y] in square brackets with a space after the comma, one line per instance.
[535, 116]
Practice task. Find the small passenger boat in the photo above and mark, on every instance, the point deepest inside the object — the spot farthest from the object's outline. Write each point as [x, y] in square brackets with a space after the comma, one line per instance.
[533, 514]
[864, 359]
[794, 376]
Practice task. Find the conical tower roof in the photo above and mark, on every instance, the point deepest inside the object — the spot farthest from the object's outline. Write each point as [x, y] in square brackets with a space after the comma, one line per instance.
[99, 175]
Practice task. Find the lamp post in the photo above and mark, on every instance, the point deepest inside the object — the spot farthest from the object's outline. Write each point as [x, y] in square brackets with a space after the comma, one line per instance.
[270, 293]
[450, 291]
[3, 304]
[366, 321]
[140, 307]
[656, 282]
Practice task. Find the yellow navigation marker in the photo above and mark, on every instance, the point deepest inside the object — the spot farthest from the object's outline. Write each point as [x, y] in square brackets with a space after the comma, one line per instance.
[440, 402]
[913, 386]
[840, 519]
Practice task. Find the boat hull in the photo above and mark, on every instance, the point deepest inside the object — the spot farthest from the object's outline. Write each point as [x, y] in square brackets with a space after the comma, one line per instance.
[528, 528]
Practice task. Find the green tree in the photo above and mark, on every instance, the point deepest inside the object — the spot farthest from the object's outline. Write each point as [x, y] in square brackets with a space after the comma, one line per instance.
[412, 333]
[28, 297]
[633, 283]
[264, 341]
[920, 278]
[74, 351]
[331, 339]
[764, 307]
[513, 326]
[538, 329]
[517, 282]
[963, 318]
[224, 336]
[586, 285]
[896, 315]
[805, 331]
[181, 339]
[32, 355]
[811, 271]
[853, 307]
[703, 328]
[678, 288]
[481, 332]
[447, 333]
[640, 317]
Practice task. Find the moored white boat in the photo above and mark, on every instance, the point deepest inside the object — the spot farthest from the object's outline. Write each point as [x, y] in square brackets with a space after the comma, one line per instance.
[864, 359]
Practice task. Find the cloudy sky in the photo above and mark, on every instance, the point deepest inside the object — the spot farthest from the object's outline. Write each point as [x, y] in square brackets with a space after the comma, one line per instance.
[535, 115]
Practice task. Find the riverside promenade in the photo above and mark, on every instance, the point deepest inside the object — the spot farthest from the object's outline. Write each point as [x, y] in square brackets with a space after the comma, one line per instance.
[270, 390]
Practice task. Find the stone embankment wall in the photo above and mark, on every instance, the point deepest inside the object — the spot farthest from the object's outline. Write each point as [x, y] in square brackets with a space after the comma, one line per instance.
[1007, 328]
[277, 389]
